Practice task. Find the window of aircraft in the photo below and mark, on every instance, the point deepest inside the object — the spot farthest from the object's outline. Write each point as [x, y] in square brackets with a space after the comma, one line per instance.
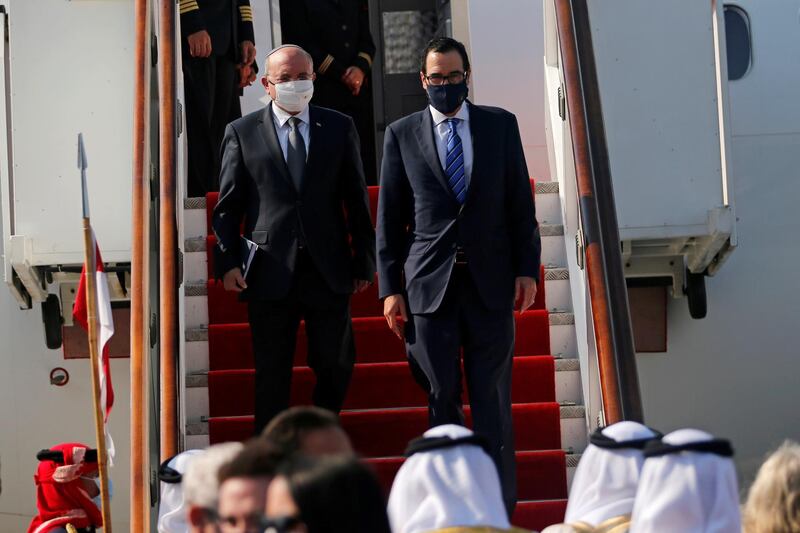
[405, 33]
[737, 41]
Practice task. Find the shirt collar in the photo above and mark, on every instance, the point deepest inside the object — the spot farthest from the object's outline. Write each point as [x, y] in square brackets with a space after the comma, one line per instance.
[283, 116]
[438, 117]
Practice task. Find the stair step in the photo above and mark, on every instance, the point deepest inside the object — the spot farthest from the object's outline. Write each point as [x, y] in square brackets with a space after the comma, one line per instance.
[550, 274]
[233, 340]
[376, 386]
[239, 383]
[200, 244]
[542, 187]
[537, 515]
[199, 378]
[540, 474]
[533, 425]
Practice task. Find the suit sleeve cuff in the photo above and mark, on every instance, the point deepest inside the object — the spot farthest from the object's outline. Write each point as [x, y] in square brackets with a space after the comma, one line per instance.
[246, 32]
[191, 19]
[330, 67]
[364, 62]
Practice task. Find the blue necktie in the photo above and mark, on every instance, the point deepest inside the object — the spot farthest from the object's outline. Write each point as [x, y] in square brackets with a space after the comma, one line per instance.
[454, 166]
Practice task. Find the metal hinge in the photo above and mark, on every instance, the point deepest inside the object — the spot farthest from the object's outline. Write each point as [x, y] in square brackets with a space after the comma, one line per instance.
[180, 268]
[153, 330]
[179, 118]
[562, 104]
[579, 255]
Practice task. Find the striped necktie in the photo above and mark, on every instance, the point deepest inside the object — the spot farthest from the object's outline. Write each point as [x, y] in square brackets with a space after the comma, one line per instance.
[454, 167]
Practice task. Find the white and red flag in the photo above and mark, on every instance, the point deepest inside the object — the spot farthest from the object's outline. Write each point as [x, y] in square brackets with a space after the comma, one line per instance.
[105, 330]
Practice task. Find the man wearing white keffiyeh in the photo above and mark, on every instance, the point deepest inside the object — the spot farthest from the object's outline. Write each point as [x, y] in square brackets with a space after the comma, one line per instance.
[604, 487]
[688, 484]
[450, 484]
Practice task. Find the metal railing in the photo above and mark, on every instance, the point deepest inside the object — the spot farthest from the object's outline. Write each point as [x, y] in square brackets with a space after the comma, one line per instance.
[603, 262]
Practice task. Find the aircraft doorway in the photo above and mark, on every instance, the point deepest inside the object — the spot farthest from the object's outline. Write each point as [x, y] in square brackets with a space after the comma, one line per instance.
[399, 29]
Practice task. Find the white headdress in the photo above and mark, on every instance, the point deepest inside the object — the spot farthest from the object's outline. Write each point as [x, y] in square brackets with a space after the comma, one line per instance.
[446, 485]
[607, 476]
[172, 510]
[688, 484]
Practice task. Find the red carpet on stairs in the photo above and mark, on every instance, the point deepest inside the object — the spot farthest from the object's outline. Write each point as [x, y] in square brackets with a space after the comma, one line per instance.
[385, 408]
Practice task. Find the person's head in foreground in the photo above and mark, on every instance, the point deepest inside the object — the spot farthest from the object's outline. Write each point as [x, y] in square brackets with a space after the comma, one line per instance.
[200, 486]
[66, 489]
[308, 430]
[604, 486]
[773, 503]
[172, 515]
[243, 486]
[325, 495]
[688, 485]
[448, 481]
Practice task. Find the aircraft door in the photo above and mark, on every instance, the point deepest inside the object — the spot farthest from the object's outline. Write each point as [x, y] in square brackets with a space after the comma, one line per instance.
[401, 29]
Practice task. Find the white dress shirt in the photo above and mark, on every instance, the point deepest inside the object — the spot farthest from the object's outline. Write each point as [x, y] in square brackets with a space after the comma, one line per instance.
[441, 131]
[281, 120]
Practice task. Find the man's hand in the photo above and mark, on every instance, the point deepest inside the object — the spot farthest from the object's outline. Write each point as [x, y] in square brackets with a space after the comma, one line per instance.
[524, 287]
[233, 280]
[248, 52]
[246, 76]
[199, 44]
[393, 306]
[353, 77]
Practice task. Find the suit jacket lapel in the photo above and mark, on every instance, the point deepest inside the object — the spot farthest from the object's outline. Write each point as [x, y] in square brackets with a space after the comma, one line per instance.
[427, 145]
[477, 129]
[315, 130]
[270, 136]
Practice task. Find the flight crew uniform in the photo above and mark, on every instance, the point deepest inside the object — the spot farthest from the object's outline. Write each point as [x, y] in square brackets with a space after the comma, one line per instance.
[210, 83]
[336, 34]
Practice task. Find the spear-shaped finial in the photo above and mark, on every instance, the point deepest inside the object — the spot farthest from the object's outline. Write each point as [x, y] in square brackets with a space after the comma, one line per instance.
[82, 165]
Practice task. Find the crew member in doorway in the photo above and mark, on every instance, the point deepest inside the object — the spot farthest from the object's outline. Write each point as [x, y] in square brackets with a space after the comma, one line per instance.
[217, 38]
[458, 244]
[290, 171]
[336, 34]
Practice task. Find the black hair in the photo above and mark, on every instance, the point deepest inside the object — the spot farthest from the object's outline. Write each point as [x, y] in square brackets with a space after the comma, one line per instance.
[336, 494]
[257, 459]
[285, 432]
[442, 45]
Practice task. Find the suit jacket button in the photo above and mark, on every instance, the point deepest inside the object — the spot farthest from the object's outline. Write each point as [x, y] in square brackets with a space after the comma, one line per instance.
[347, 45]
[344, 27]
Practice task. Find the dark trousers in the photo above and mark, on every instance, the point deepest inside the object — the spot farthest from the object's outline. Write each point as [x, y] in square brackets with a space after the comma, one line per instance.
[210, 86]
[331, 350]
[434, 343]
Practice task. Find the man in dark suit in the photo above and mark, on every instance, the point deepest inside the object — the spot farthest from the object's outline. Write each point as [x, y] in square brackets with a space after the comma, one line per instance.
[458, 244]
[336, 34]
[293, 173]
[217, 38]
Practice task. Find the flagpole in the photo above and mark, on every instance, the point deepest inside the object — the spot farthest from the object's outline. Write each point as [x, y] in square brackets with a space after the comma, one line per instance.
[94, 356]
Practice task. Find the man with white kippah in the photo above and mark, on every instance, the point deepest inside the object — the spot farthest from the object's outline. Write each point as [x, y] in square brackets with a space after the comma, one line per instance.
[290, 173]
[448, 483]
[688, 485]
[604, 486]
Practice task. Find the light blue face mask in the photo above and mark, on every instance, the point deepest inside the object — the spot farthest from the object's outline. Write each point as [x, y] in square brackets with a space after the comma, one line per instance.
[98, 500]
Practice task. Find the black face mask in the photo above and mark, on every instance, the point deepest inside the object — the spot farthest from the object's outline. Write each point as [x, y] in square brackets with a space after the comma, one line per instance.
[446, 98]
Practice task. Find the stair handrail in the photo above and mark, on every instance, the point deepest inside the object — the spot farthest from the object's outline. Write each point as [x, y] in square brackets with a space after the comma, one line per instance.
[168, 228]
[608, 293]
